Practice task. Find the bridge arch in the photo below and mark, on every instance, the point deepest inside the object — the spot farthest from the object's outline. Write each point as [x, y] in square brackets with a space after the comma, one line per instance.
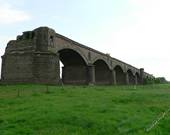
[120, 75]
[77, 50]
[131, 77]
[75, 67]
[103, 59]
[102, 72]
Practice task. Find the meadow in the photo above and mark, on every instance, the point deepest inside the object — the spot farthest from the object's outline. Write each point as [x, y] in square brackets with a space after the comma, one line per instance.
[84, 110]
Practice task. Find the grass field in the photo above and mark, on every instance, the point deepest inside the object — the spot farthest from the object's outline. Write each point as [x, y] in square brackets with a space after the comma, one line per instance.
[84, 110]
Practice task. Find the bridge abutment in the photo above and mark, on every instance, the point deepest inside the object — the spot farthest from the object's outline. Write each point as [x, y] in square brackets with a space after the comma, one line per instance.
[46, 67]
[17, 67]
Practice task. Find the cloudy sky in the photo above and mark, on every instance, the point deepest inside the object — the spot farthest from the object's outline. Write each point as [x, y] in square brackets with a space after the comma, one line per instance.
[135, 31]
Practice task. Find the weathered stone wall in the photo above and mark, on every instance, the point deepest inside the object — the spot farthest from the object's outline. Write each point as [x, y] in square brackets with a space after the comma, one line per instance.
[17, 67]
[120, 76]
[75, 75]
[131, 78]
[102, 73]
[46, 68]
[102, 76]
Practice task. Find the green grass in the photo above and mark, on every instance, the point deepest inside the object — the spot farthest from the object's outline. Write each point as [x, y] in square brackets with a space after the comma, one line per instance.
[83, 110]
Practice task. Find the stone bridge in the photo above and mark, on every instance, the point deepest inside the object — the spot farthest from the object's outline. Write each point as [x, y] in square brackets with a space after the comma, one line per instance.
[34, 57]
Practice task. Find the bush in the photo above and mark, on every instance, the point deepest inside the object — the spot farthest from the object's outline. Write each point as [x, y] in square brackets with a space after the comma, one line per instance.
[149, 80]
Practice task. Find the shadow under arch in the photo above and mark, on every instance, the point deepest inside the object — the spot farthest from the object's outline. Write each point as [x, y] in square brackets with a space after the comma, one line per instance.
[102, 72]
[137, 78]
[78, 51]
[74, 70]
[131, 77]
[120, 75]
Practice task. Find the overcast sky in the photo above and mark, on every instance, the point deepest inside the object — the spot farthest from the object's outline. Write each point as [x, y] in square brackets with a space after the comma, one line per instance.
[135, 31]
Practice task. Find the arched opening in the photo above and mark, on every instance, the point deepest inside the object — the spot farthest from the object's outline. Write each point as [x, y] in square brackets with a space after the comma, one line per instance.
[74, 70]
[120, 76]
[137, 78]
[131, 77]
[102, 72]
[61, 67]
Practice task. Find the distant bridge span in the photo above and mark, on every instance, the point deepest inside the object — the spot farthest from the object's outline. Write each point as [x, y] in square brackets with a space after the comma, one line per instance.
[34, 58]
